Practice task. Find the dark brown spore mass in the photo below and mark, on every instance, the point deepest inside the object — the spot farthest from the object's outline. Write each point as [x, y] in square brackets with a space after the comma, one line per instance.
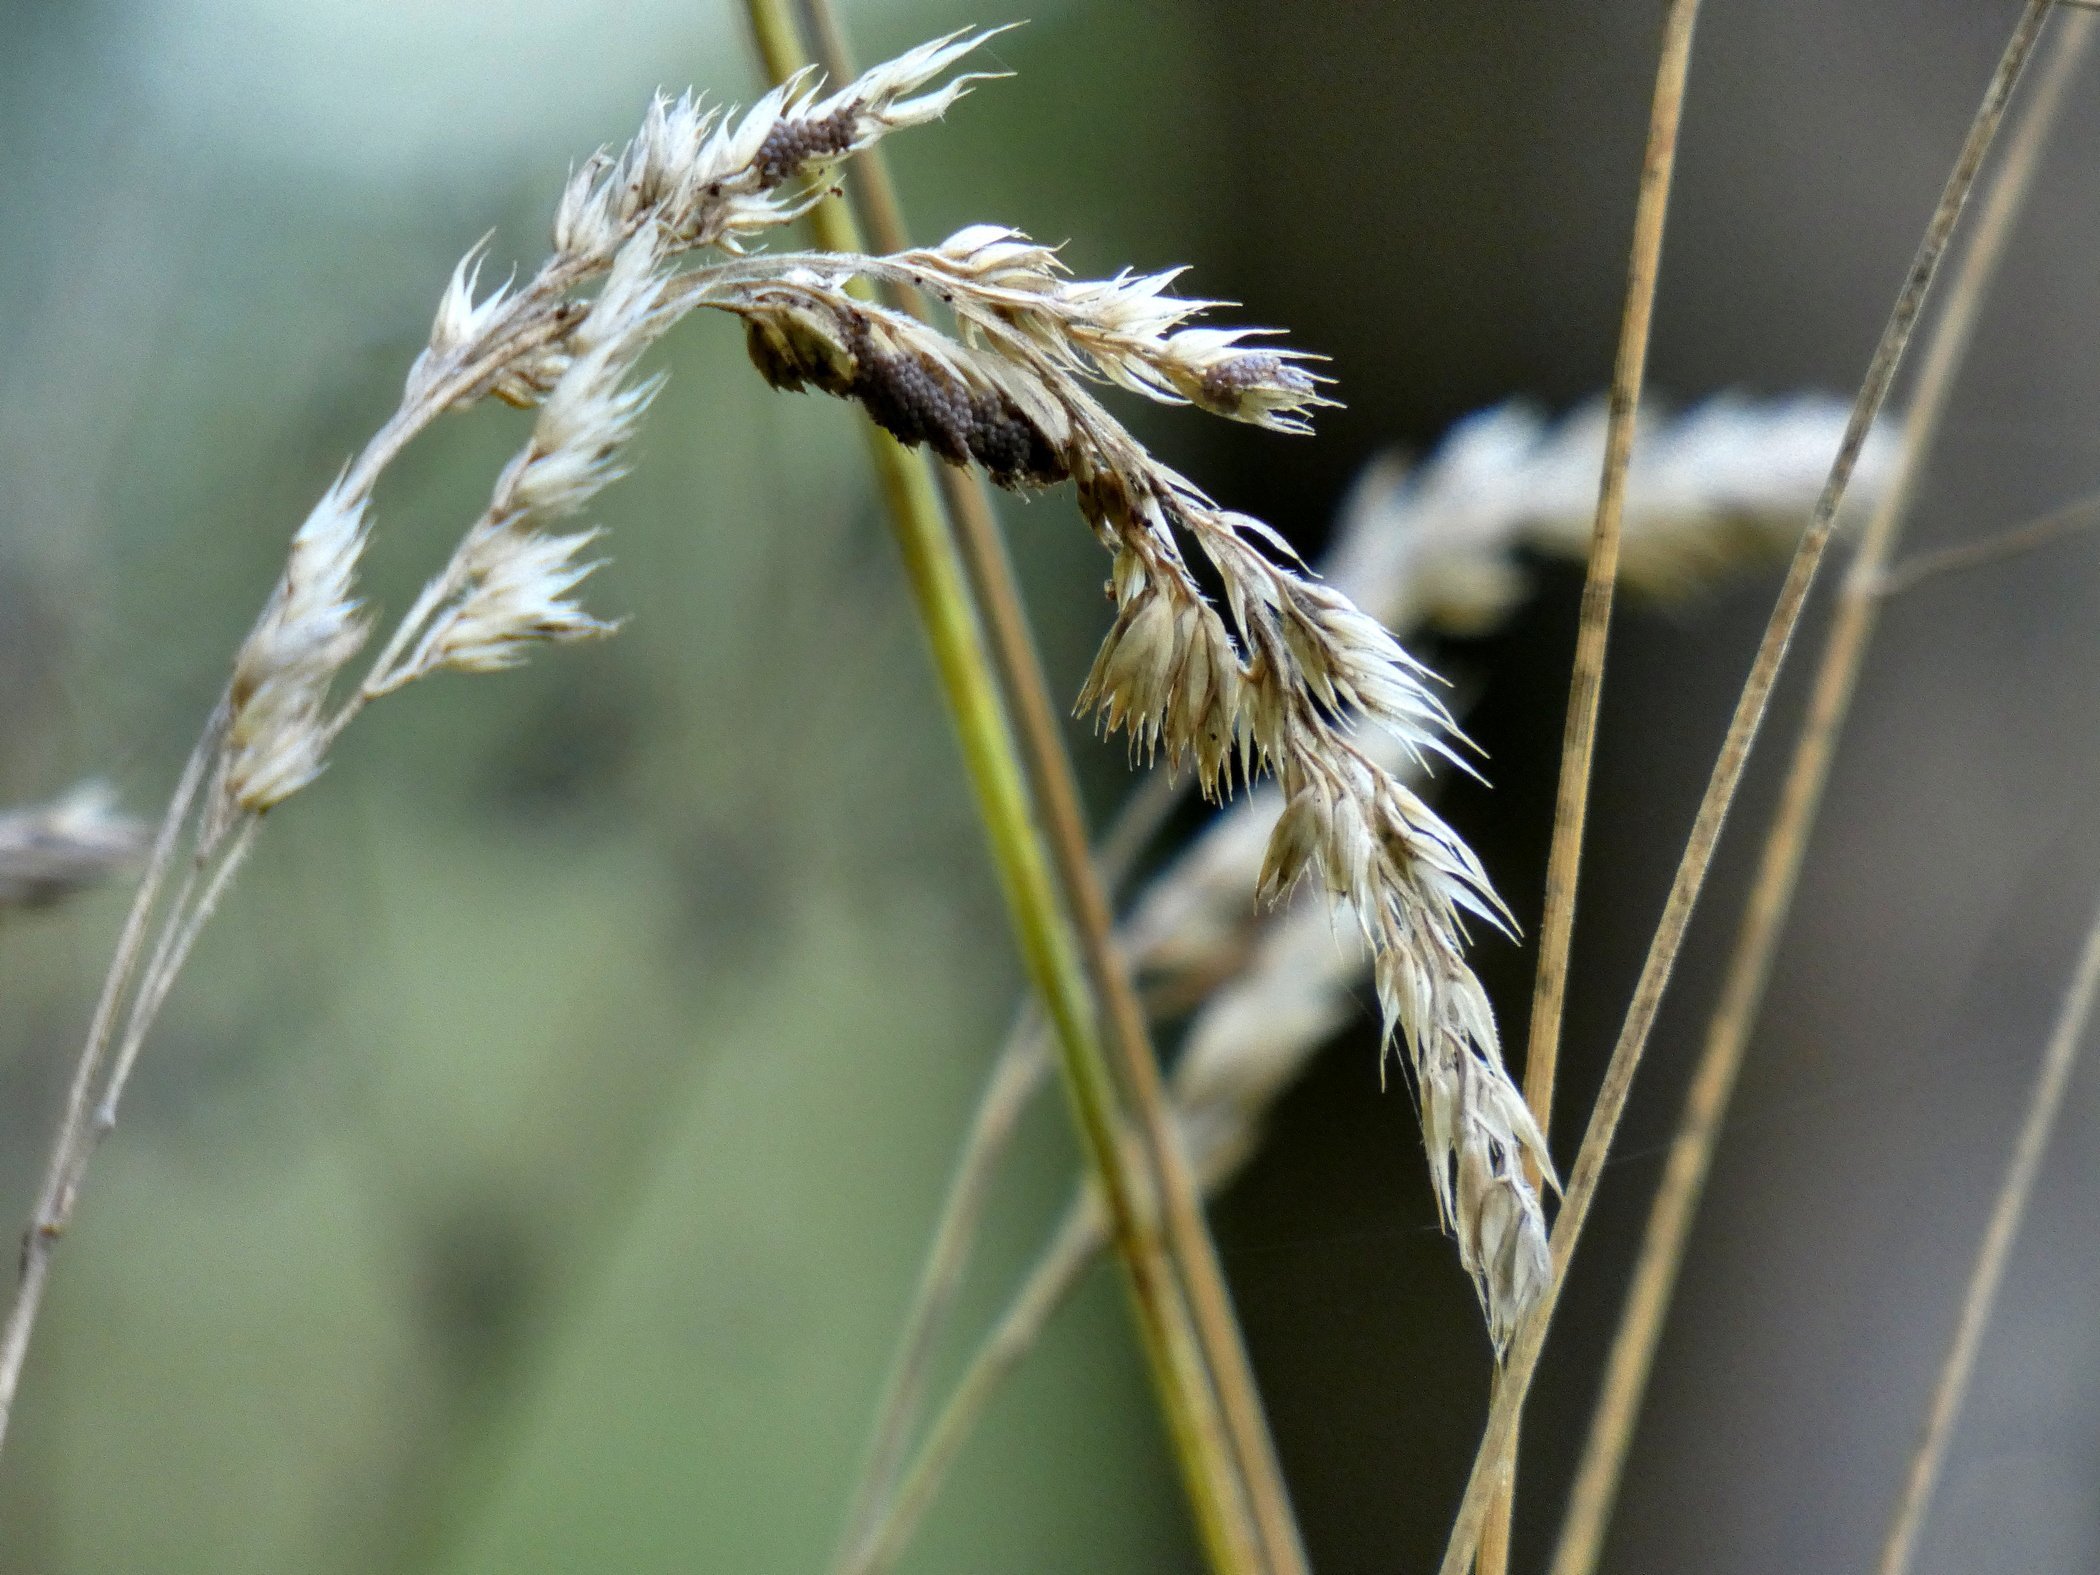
[1011, 448]
[791, 144]
[913, 399]
[1225, 384]
[919, 401]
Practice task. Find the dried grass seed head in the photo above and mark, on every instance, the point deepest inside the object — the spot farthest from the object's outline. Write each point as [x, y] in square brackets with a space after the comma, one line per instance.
[517, 580]
[1289, 977]
[1281, 687]
[593, 408]
[802, 330]
[50, 851]
[1128, 330]
[1728, 482]
[519, 595]
[716, 179]
[462, 322]
[277, 735]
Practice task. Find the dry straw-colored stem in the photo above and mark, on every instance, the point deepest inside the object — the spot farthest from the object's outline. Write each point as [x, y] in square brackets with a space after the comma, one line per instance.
[1586, 688]
[1951, 1388]
[937, 574]
[1713, 1081]
[1617, 1085]
[60, 1189]
[1016, 1075]
[1049, 1281]
[1038, 730]
[2070, 520]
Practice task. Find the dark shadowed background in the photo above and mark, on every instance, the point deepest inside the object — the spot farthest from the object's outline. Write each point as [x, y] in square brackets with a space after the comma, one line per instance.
[532, 1167]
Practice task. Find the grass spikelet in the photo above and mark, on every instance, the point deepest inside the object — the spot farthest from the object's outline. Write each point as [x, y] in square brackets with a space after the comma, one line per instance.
[277, 731]
[1282, 688]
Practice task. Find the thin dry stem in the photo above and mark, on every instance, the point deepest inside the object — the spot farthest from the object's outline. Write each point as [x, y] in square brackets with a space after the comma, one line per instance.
[2072, 519]
[1654, 1278]
[197, 904]
[2009, 1208]
[1586, 690]
[1061, 1265]
[1743, 727]
[1586, 687]
[1016, 1074]
[61, 1184]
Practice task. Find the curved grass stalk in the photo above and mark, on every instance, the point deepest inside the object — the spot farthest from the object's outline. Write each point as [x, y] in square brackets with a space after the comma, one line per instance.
[689, 181]
[1072, 1250]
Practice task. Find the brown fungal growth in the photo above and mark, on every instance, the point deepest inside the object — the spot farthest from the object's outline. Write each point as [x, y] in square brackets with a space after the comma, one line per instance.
[792, 145]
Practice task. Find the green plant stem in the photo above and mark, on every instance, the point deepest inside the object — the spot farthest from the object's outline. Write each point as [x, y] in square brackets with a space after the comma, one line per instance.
[1670, 1217]
[1043, 929]
[1195, 1423]
[1036, 719]
[1523, 1358]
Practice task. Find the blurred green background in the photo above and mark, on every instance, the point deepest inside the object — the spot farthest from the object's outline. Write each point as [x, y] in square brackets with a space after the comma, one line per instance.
[530, 1171]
